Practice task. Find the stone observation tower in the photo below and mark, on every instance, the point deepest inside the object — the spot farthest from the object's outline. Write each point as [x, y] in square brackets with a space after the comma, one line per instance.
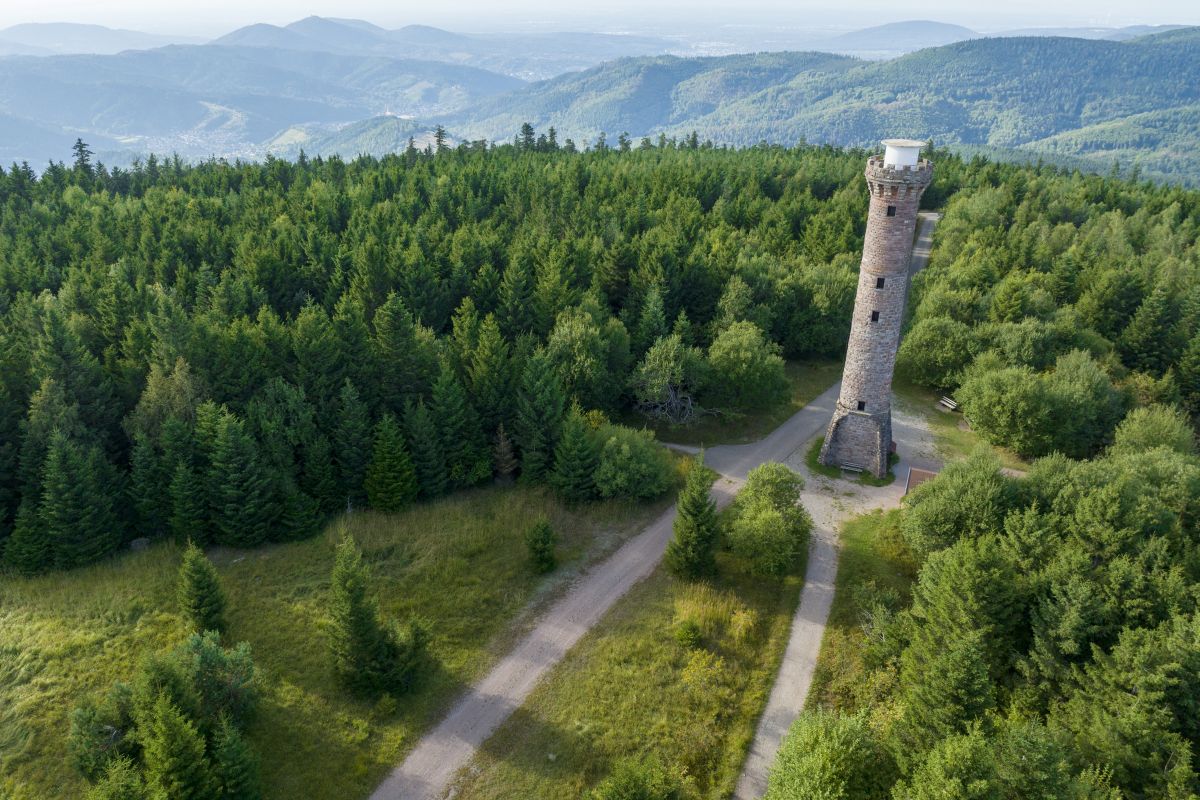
[860, 433]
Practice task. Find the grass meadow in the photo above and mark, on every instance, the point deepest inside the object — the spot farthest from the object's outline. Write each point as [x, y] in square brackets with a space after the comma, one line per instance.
[631, 688]
[459, 562]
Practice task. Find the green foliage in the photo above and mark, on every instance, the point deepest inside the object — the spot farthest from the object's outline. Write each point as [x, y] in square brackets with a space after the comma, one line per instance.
[540, 539]
[575, 459]
[1156, 426]
[352, 442]
[368, 656]
[122, 780]
[638, 779]
[459, 431]
[690, 554]
[240, 491]
[173, 751]
[770, 528]
[429, 459]
[77, 516]
[935, 351]
[969, 498]
[201, 599]
[745, 370]
[827, 755]
[235, 770]
[391, 480]
[666, 380]
[632, 464]
[540, 410]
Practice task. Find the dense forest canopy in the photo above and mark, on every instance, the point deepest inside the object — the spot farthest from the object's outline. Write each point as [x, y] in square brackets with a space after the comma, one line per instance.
[225, 348]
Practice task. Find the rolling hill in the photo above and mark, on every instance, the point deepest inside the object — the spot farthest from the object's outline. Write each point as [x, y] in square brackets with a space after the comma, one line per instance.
[70, 38]
[1005, 93]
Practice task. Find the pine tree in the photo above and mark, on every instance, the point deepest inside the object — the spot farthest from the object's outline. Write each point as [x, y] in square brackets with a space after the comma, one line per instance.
[516, 299]
[540, 407]
[352, 443]
[299, 514]
[234, 767]
[146, 482]
[429, 462]
[173, 752]
[29, 550]
[241, 494]
[391, 480]
[691, 552]
[187, 520]
[317, 478]
[575, 460]
[490, 375]
[459, 432]
[320, 361]
[400, 370]
[367, 656]
[540, 540]
[1148, 342]
[504, 462]
[201, 600]
[1189, 377]
[652, 323]
[77, 503]
[122, 780]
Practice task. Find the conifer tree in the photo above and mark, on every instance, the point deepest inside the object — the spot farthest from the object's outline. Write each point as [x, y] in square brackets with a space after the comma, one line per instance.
[352, 443]
[690, 553]
[461, 437]
[540, 407]
[77, 503]
[1189, 377]
[146, 482]
[391, 480]
[540, 540]
[575, 460]
[241, 494]
[201, 600]
[504, 462]
[1148, 343]
[429, 462]
[173, 753]
[490, 375]
[122, 780]
[367, 655]
[400, 369]
[188, 519]
[235, 769]
[317, 477]
[28, 549]
[652, 322]
[320, 362]
[299, 514]
[516, 299]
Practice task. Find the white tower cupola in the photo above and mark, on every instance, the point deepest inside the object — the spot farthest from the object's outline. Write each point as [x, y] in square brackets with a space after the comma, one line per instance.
[902, 153]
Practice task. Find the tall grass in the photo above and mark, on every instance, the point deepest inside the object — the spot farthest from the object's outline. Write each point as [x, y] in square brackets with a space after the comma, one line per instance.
[460, 563]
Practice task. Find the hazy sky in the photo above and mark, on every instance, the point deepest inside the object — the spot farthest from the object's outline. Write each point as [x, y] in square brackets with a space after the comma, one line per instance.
[212, 17]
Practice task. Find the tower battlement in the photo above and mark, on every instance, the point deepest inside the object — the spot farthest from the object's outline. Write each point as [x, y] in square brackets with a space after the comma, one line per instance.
[860, 433]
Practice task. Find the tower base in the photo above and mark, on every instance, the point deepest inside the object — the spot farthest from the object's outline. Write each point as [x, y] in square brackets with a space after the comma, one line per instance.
[858, 439]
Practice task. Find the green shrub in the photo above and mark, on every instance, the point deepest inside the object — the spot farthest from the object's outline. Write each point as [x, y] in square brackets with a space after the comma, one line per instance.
[769, 528]
[1156, 426]
[638, 779]
[827, 754]
[632, 464]
[201, 600]
[745, 370]
[541, 539]
[687, 633]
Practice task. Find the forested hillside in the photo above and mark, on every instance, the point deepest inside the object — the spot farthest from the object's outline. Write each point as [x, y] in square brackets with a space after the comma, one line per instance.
[1002, 92]
[226, 350]
[1034, 634]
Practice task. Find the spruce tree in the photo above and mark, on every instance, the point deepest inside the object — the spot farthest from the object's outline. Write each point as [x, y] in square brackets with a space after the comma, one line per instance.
[147, 478]
[28, 549]
[540, 540]
[465, 449]
[504, 462]
[429, 462]
[77, 503]
[367, 655]
[540, 407]
[122, 780]
[352, 443]
[490, 375]
[201, 600]
[173, 753]
[188, 519]
[317, 478]
[241, 494]
[690, 553]
[234, 767]
[516, 299]
[391, 480]
[400, 370]
[299, 514]
[1189, 377]
[652, 322]
[1148, 343]
[575, 460]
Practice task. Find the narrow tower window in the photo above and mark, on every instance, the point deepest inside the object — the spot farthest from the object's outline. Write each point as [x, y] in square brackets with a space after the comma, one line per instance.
[862, 405]
[879, 283]
[891, 211]
[874, 316]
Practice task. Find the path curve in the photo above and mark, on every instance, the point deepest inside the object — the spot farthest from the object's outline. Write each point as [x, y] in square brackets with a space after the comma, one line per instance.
[831, 503]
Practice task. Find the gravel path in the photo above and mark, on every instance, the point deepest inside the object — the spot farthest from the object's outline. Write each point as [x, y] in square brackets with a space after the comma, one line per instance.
[830, 502]
[429, 769]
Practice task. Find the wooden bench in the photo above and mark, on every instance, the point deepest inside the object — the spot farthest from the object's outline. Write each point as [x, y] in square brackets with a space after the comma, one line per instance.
[949, 403]
[853, 468]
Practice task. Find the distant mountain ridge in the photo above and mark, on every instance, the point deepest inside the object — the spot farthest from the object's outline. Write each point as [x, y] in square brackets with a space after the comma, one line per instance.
[62, 38]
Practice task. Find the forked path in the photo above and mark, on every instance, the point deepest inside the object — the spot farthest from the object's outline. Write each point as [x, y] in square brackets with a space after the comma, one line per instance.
[830, 502]
[428, 770]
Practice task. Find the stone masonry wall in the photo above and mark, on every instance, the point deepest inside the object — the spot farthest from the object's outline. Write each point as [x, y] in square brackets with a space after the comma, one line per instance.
[860, 431]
